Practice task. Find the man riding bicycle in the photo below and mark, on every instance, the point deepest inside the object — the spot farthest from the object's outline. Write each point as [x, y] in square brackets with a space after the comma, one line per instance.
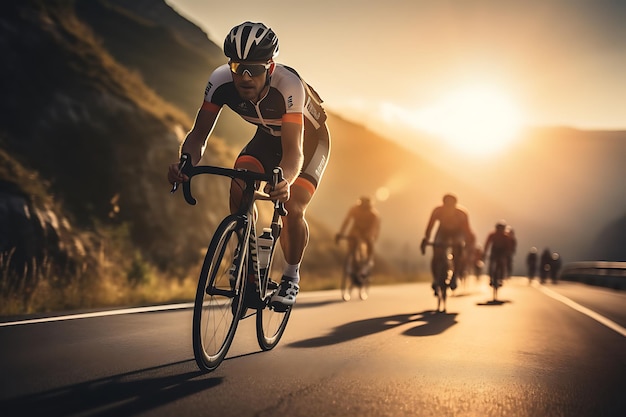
[364, 223]
[498, 245]
[291, 133]
[453, 230]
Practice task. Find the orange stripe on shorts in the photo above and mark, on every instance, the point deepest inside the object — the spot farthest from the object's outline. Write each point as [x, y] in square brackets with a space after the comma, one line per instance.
[251, 160]
[306, 184]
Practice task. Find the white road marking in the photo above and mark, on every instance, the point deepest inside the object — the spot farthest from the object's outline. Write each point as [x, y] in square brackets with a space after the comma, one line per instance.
[100, 314]
[590, 313]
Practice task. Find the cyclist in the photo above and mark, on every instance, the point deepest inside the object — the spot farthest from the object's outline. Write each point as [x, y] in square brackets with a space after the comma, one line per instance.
[545, 264]
[531, 263]
[511, 251]
[498, 246]
[555, 267]
[454, 229]
[364, 223]
[291, 133]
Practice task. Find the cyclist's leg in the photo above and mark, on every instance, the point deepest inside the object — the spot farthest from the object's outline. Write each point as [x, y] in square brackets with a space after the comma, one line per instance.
[351, 264]
[295, 235]
[457, 269]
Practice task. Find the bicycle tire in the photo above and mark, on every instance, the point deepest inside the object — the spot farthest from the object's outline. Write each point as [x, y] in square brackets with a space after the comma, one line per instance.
[217, 306]
[271, 324]
[346, 280]
[441, 276]
[496, 278]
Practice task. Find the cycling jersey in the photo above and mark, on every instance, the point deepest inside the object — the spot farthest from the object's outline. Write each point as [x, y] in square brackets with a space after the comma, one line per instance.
[499, 243]
[287, 94]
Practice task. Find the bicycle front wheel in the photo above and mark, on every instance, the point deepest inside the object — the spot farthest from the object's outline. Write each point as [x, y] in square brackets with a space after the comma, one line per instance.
[271, 324]
[346, 280]
[219, 300]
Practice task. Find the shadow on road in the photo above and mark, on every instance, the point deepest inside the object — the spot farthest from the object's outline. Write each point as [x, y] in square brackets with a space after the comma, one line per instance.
[430, 323]
[493, 303]
[119, 395]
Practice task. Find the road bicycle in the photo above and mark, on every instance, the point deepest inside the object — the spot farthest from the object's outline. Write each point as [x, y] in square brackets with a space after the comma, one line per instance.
[231, 280]
[497, 273]
[443, 269]
[356, 273]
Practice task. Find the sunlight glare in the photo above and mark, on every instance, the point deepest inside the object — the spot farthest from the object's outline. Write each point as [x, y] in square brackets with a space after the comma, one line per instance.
[476, 120]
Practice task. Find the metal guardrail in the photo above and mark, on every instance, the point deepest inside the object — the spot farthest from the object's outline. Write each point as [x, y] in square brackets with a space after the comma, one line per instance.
[604, 274]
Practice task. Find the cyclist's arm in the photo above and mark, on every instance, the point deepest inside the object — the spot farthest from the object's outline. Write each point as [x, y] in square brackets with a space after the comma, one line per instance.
[195, 142]
[292, 132]
[291, 163]
[346, 222]
[431, 222]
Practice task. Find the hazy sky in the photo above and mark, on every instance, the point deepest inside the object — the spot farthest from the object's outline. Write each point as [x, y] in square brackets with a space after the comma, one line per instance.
[557, 62]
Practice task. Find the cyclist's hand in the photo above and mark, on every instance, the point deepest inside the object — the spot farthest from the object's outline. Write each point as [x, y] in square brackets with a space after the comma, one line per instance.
[174, 174]
[423, 246]
[281, 192]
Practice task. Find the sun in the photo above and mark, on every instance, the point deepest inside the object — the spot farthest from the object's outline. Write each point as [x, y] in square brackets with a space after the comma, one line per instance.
[476, 120]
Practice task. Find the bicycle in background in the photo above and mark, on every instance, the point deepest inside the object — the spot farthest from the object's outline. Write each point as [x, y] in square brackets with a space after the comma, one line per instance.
[442, 269]
[356, 273]
[232, 281]
[498, 270]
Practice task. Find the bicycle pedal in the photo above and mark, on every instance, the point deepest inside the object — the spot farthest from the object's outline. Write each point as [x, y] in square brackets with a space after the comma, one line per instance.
[279, 307]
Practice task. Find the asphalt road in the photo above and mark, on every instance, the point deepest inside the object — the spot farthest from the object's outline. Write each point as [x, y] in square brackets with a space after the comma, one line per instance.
[556, 350]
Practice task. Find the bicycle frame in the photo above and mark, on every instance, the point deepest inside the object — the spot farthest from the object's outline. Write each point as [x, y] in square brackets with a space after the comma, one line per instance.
[245, 213]
[443, 269]
[223, 295]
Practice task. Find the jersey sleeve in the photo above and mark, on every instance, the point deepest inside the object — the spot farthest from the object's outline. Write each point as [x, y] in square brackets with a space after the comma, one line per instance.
[290, 85]
[219, 77]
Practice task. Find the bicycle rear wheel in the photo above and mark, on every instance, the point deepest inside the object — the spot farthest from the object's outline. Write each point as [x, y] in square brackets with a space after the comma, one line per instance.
[364, 288]
[271, 324]
[218, 303]
[346, 280]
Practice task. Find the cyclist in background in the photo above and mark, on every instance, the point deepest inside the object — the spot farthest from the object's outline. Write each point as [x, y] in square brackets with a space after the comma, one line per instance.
[453, 230]
[291, 133]
[511, 252]
[363, 221]
[531, 263]
[498, 246]
[545, 264]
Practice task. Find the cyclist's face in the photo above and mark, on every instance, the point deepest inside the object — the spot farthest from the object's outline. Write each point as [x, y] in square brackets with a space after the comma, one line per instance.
[250, 87]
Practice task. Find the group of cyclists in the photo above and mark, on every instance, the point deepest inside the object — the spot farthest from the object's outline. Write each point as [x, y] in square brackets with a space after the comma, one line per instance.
[548, 265]
[291, 133]
[455, 234]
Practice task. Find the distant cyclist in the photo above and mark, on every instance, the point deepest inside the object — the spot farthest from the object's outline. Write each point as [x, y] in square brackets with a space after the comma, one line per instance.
[531, 263]
[555, 267]
[545, 265]
[363, 225]
[512, 248]
[291, 133]
[498, 246]
[453, 230]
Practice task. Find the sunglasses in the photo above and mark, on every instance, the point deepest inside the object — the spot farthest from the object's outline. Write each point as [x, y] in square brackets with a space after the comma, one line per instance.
[253, 70]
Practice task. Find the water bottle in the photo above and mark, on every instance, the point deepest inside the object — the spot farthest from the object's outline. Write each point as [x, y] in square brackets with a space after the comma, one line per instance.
[264, 247]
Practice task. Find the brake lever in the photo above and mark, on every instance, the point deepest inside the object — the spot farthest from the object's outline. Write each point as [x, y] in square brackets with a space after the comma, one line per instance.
[183, 161]
[277, 176]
